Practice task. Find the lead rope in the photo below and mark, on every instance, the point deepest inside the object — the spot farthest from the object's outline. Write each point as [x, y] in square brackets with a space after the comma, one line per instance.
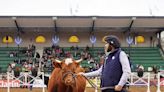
[95, 86]
[90, 82]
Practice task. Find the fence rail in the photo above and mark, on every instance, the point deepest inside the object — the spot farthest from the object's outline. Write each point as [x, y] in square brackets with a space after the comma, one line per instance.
[134, 80]
[23, 79]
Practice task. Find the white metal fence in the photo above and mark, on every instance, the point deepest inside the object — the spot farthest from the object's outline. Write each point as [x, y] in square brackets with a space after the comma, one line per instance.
[134, 80]
[25, 79]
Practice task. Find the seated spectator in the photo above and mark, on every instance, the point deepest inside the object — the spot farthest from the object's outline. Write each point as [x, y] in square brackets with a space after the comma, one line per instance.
[48, 63]
[155, 71]
[72, 48]
[29, 47]
[67, 54]
[37, 55]
[29, 65]
[34, 71]
[57, 52]
[16, 72]
[26, 67]
[89, 56]
[23, 69]
[57, 47]
[140, 71]
[13, 64]
[11, 54]
[9, 69]
[33, 47]
[28, 53]
[77, 48]
[62, 53]
[87, 48]
[49, 52]
[85, 55]
[15, 54]
[4, 77]
[53, 46]
[91, 60]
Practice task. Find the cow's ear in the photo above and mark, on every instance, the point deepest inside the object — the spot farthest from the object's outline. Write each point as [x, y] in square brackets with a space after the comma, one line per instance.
[56, 63]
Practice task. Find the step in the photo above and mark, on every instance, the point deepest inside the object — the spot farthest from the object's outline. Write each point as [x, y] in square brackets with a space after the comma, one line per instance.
[145, 55]
[147, 58]
[12, 58]
[12, 48]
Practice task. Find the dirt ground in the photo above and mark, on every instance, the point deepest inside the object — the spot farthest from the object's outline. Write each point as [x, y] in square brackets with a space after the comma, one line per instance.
[131, 89]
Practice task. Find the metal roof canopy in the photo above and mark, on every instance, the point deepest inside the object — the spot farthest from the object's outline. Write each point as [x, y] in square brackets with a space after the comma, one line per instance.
[82, 22]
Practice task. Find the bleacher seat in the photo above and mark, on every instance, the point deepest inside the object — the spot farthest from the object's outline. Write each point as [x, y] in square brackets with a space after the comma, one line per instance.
[5, 58]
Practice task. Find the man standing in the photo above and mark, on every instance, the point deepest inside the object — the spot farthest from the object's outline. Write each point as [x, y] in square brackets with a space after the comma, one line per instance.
[116, 69]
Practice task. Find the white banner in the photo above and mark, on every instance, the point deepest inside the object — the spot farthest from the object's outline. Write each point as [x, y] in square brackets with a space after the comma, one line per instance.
[17, 83]
[12, 83]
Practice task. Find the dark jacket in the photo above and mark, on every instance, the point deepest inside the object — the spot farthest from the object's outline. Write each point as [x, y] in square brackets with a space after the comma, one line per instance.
[112, 70]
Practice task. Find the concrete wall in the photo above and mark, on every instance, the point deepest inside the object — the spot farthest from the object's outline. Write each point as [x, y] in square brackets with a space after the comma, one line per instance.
[31, 34]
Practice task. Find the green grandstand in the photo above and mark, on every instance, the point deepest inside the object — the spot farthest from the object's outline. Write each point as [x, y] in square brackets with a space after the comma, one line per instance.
[146, 56]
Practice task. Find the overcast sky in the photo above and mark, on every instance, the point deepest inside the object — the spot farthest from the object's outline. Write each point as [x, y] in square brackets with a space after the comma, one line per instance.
[81, 7]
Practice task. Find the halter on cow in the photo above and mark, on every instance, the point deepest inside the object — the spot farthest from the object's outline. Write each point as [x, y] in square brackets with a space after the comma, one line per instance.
[64, 78]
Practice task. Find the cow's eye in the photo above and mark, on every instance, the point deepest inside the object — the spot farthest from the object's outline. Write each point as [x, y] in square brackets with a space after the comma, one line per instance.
[64, 69]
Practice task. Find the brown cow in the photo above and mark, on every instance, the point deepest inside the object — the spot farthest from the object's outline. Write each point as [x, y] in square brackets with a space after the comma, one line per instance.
[64, 78]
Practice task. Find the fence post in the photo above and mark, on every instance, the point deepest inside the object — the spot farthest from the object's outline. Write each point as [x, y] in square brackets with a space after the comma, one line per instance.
[8, 79]
[96, 90]
[131, 78]
[25, 75]
[43, 90]
[158, 83]
[148, 83]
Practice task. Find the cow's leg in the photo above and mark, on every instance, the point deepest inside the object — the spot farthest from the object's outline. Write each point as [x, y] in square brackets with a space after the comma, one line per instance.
[53, 80]
[50, 86]
[56, 88]
[53, 85]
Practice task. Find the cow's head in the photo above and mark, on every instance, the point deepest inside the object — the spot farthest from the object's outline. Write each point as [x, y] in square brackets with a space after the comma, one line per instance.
[69, 68]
